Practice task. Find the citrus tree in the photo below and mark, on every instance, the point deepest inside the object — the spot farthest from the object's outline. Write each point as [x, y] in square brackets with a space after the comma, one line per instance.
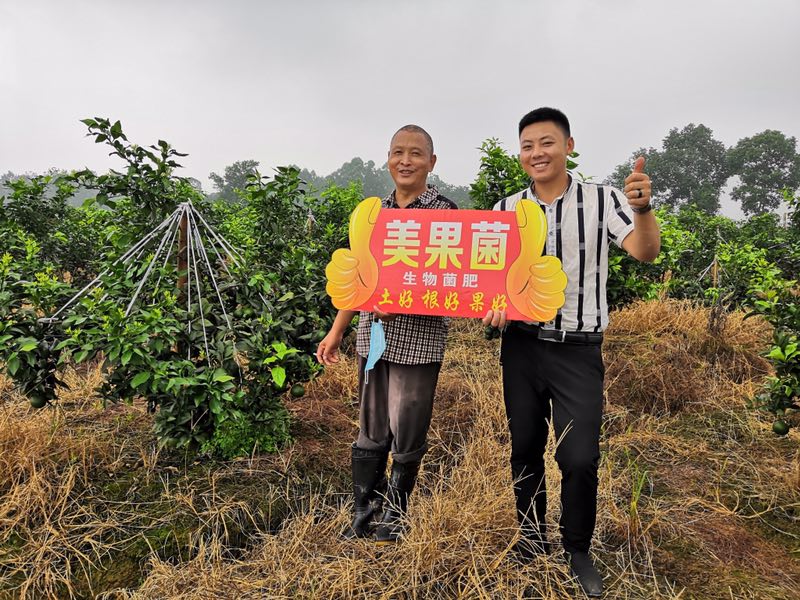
[779, 302]
[211, 335]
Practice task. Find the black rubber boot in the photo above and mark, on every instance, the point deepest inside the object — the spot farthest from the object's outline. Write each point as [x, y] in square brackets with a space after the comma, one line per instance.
[369, 487]
[401, 484]
[582, 568]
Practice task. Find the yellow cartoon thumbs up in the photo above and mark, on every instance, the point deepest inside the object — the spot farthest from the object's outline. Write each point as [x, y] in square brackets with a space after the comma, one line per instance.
[535, 283]
[353, 273]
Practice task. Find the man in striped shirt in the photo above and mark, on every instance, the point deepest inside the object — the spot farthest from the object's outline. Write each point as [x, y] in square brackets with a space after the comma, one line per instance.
[560, 361]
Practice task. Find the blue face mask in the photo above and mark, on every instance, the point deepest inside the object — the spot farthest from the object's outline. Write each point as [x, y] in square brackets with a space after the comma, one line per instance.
[377, 346]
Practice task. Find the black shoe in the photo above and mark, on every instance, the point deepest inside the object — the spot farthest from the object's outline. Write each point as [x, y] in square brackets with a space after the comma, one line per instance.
[401, 482]
[582, 568]
[369, 485]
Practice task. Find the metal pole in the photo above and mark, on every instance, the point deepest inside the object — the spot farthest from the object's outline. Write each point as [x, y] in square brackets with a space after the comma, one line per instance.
[183, 263]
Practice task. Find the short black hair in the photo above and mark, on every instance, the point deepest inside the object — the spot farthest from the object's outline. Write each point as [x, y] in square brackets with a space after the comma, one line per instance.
[545, 113]
[417, 129]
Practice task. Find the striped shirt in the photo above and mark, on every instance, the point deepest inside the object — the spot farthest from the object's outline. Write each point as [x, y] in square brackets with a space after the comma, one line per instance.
[410, 339]
[579, 225]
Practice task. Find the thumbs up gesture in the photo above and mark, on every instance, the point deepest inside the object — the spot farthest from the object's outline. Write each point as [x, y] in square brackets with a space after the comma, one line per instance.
[353, 272]
[637, 186]
[535, 283]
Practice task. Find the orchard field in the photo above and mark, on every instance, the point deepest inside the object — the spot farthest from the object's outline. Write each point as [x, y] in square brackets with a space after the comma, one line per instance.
[166, 433]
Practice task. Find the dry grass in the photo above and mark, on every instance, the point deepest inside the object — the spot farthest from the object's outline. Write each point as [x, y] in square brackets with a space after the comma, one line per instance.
[661, 357]
[697, 498]
[45, 465]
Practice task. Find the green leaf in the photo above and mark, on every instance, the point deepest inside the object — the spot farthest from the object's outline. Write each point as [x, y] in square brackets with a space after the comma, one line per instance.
[776, 354]
[28, 346]
[221, 375]
[278, 376]
[12, 365]
[215, 405]
[139, 379]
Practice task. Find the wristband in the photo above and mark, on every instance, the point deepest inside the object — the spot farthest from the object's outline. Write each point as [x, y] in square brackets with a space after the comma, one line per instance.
[642, 209]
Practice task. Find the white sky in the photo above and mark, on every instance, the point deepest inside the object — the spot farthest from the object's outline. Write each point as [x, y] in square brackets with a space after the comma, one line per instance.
[316, 83]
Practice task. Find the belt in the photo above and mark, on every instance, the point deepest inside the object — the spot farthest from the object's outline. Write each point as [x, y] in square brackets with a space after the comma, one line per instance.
[556, 335]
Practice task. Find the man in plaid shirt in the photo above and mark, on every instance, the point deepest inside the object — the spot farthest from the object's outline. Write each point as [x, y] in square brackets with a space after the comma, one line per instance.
[397, 402]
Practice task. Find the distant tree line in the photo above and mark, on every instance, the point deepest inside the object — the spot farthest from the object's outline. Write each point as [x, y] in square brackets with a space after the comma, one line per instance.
[375, 181]
[692, 168]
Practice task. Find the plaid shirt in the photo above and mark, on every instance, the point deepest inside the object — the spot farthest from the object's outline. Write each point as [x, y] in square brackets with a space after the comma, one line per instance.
[410, 339]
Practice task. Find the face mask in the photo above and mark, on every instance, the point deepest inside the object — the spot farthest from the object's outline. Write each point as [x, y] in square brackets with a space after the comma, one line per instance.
[377, 346]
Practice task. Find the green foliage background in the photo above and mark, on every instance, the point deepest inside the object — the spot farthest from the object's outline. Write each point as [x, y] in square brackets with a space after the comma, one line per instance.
[227, 400]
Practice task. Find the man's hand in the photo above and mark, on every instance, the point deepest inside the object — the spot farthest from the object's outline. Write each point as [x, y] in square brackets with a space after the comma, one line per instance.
[644, 242]
[385, 317]
[495, 318]
[328, 349]
[494, 322]
[637, 185]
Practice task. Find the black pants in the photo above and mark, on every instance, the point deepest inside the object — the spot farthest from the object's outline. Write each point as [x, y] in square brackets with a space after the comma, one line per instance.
[571, 375]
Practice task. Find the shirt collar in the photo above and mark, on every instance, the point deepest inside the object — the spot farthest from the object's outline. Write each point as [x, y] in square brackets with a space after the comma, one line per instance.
[560, 198]
[423, 199]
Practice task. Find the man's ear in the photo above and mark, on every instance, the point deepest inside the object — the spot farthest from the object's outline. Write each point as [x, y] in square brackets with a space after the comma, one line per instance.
[570, 145]
[433, 162]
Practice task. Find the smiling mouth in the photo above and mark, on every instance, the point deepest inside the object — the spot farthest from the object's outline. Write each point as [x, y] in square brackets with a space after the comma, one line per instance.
[540, 165]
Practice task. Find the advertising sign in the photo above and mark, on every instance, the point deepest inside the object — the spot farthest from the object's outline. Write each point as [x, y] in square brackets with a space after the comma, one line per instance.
[457, 263]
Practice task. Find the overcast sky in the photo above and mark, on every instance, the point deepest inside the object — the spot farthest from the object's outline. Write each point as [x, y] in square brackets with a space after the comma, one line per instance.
[316, 83]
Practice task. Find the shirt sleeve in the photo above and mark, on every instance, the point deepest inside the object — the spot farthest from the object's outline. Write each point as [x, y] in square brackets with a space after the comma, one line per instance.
[619, 217]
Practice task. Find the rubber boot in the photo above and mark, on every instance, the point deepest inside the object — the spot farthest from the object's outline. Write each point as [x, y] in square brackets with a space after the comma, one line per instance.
[369, 486]
[401, 483]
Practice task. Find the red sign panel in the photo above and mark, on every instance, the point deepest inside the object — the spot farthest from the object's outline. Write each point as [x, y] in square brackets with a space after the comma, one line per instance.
[432, 263]
[447, 262]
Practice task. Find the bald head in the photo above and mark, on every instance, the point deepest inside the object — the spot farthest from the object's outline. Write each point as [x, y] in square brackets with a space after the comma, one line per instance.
[416, 129]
